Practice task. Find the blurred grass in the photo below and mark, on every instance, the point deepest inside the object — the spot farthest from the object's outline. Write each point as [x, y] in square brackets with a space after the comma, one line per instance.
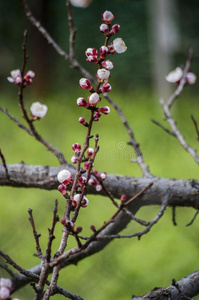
[125, 267]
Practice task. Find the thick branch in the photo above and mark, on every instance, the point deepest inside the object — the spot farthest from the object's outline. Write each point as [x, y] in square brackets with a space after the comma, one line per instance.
[185, 288]
[183, 192]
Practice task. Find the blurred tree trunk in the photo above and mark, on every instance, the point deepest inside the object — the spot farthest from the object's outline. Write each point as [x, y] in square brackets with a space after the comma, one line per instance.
[165, 41]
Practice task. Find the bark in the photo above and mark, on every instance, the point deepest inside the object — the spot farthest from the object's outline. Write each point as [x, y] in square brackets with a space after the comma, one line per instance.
[183, 289]
[182, 192]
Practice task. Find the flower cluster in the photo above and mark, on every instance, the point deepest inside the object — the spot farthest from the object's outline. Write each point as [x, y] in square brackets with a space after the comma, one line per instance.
[176, 75]
[5, 289]
[17, 78]
[104, 67]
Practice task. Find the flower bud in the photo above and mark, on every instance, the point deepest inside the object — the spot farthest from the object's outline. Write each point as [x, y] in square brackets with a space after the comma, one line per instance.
[74, 159]
[190, 78]
[77, 198]
[115, 29]
[5, 282]
[90, 152]
[92, 182]
[103, 52]
[38, 110]
[76, 147]
[94, 99]
[28, 77]
[107, 64]
[103, 176]
[4, 293]
[81, 181]
[98, 187]
[97, 115]
[83, 121]
[87, 165]
[175, 76]
[104, 28]
[64, 176]
[119, 45]
[107, 17]
[105, 110]
[96, 173]
[123, 197]
[91, 51]
[63, 221]
[85, 84]
[105, 88]
[82, 102]
[92, 227]
[103, 74]
[62, 188]
[78, 229]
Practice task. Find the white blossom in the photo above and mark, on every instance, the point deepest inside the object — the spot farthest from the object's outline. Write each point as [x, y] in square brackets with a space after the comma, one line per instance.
[5, 282]
[175, 75]
[119, 45]
[107, 16]
[63, 175]
[38, 110]
[15, 76]
[191, 78]
[103, 74]
[80, 3]
[94, 99]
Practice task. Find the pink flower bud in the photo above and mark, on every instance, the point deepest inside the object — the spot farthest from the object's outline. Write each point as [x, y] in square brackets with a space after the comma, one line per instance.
[105, 110]
[77, 199]
[78, 229]
[94, 99]
[115, 29]
[83, 121]
[92, 182]
[97, 115]
[4, 293]
[103, 176]
[123, 197]
[107, 64]
[90, 152]
[28, 77]
[92, 58]
[64, 176]
[106, 87]
[81, 181]
[104, 28]
[107, 17]
[76, 147]
[91, 51]
[103, 52]
[74, 159]
[92, 227]
[103, 74]
[190, 78]
[96, 173]
[119, 45]
[82, 102]
[85, 84]
[87, 165]
[62, 188]
[98, 187]
[63, 221]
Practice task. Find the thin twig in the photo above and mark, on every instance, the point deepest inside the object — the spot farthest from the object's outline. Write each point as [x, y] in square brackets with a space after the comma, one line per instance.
[36, 235]
[4, 164]
[34, 277]
[194, 217]
[51, 232]
[163, 127]
[73, 30]
[174, 215]
[196, 126]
